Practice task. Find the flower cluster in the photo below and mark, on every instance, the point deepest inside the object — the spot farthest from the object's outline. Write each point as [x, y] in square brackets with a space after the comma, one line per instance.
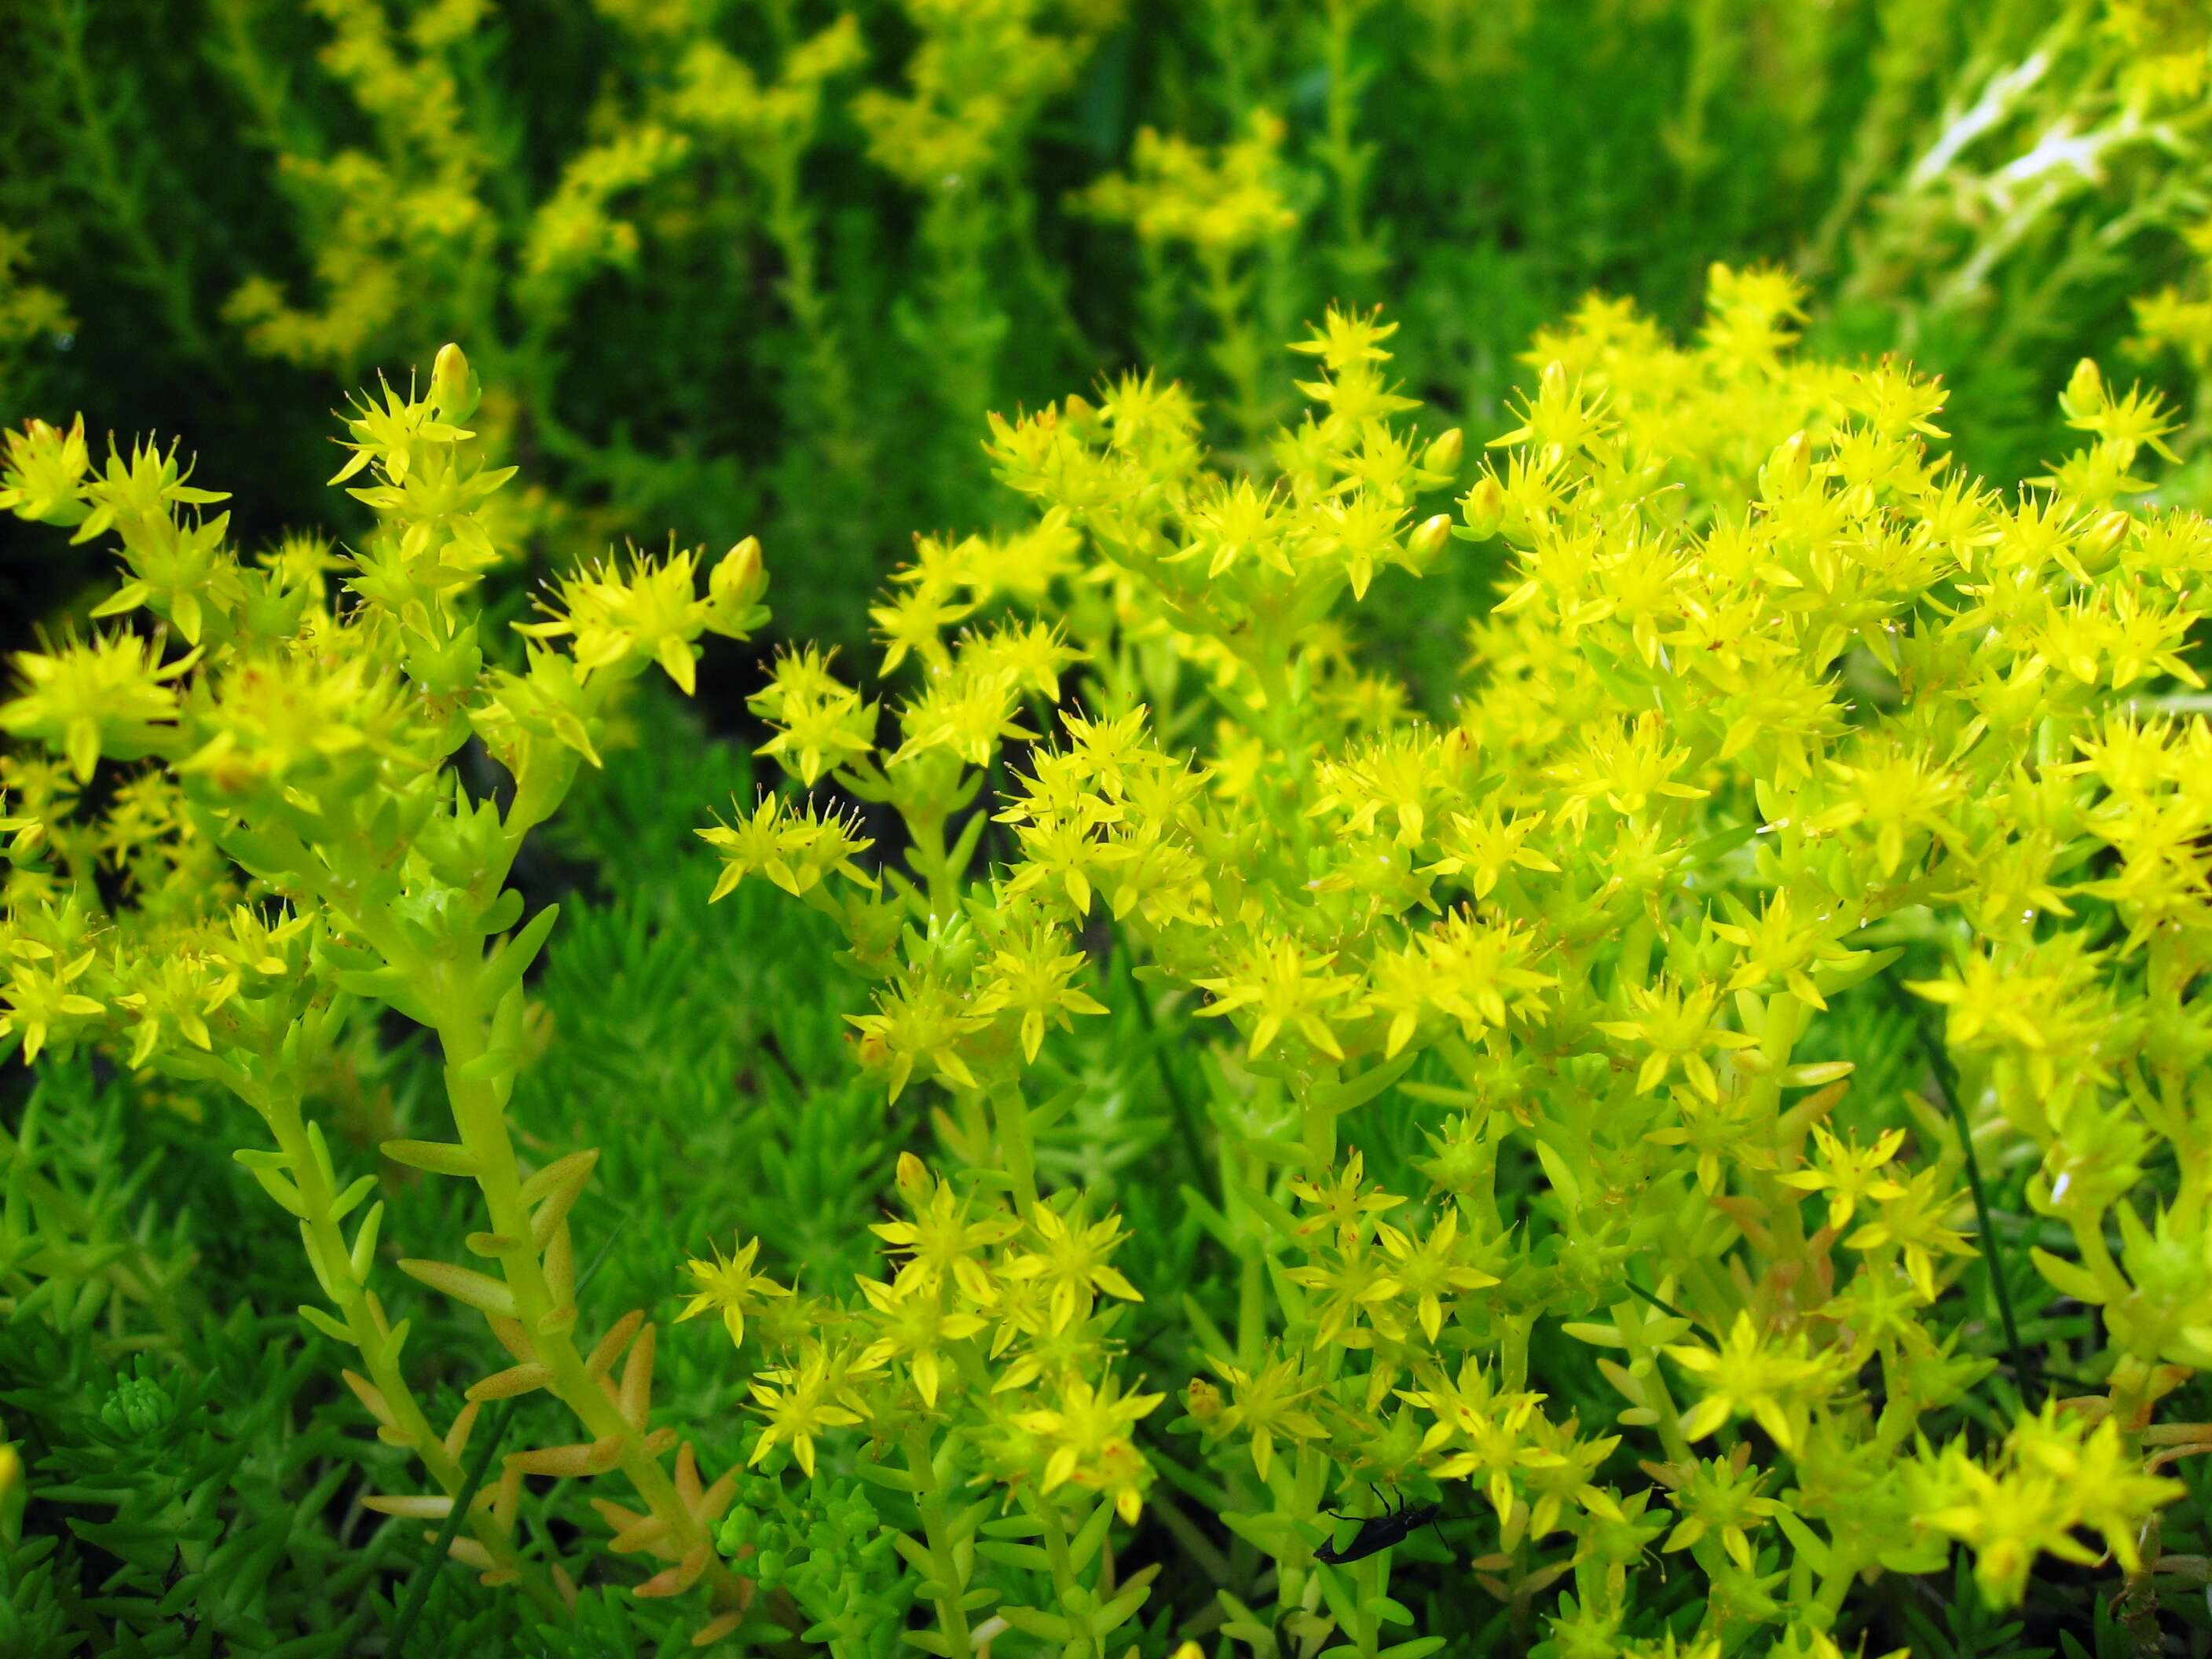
[1218, 201]
[986, 1354]
[1813, 838]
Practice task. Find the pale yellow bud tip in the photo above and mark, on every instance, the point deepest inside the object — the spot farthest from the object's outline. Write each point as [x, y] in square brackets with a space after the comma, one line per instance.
[453, 385]
[2084, 397]
[1429, 537]
[1484, 507]
[740, 579]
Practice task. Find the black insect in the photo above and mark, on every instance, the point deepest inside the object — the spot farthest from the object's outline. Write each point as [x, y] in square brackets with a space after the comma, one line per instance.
[1381, 1532]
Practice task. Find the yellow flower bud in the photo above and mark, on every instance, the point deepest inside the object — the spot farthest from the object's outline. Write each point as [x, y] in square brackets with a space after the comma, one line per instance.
[2084, 397]
[1429, 537]
[1202, 1399]
[1788, 470]
[912, 1178]
[2102, 539]
[1483, 507]
[453, 385]
[1443, 455]
[735, 588]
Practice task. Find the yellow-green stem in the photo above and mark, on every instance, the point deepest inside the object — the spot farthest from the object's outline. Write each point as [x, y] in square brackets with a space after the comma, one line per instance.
[480, 1120]
[1318, 1123]
[1628, 1319]
[280, 1108]
[1010, 1112]
[1239, 352]
[929, 1501]
[1073, 1600]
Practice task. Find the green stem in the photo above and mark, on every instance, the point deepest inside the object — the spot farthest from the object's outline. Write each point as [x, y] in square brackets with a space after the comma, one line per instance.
[1229, 27]
[929, 1501]
[1159, 295]
[1708, 40]
[418, 1591]
[1357, 259]
[1186, 1116]
[1074, 1599]
[1373, 1577]
[252, 77]
[828, 388]
[1271, 667]
[1318, 1124]
[926, 855]
[1835, 1585]
[1046, 280]
[1947, 1079]
[1251, 1271]
[1238, 352]
[1009, 1114]
[479, 1114]
[279, 1107]
[1655, 1395]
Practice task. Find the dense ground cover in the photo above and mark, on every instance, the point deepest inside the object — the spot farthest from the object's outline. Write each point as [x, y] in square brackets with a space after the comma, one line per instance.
[1525, 979]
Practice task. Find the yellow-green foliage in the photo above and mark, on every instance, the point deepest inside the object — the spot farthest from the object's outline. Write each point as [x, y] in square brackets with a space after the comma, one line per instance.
[1782, 721]
[1787, 748]
[292, 840]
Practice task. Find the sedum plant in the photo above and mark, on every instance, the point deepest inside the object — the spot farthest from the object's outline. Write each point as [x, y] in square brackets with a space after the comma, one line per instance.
[1663, 1114]
[1658, 1146]
[267, 810]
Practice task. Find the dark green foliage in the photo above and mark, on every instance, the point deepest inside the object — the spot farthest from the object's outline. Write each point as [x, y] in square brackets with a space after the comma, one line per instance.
[196, 1499]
